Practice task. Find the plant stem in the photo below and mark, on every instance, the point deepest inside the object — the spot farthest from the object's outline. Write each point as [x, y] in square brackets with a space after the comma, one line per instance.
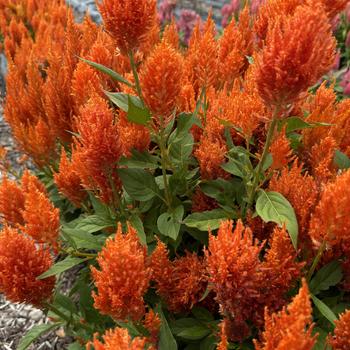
[257, 175]
[135, 74]
[163, 156]
[316, 260]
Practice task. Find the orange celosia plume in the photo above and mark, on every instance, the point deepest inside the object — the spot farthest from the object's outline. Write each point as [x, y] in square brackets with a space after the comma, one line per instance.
[161, 78]
[123, 277]
[234, 270]
[97, 149]
[182, 282]
[299, 49]
[290, 328]
[128, 21]
[118, 339]
[280, 151]
[330, 220]
[341, 338]
[43, 227]
[68, 181]
[21, 262]
[11, 203]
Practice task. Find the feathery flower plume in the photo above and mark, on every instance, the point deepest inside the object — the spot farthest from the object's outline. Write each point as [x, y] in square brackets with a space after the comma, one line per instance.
[42, 219]
[211, 155]
[201, 60]
[21, 262]
[152, 323]
[299, 49]
[181, 282]
[161, 79]
[223, 344]
[97, 149]
[68, 181]
[290, 328]
[123, 277]
[30, 182]
[235, 45]
[234, 270]
[171, 35]
[301, 191]
[341, 338]
[281, 269]
[120, 339]
[11, 203]
[128, 21]
[330, 220]
[280, 151]
[334, 7]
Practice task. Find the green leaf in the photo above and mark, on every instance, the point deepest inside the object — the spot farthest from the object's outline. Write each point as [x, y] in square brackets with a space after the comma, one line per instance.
[235, 168]
[62, 301]
[114, 75]
[139, 184]
[296, 123]
[120, 99]
[209, 343]
[181, 150]
[341, 160]
[190, 329]
[206, 220]
[140, 160]
[94, 223]
[321, 343]
[328, 276]
[169, 223]
[324, 309]
[61, 266]
[83, 239]
[76, 346]
[137, 112]
[272, 206]
[166, 338]
[202, 314]
[34, 333]
[136, 222]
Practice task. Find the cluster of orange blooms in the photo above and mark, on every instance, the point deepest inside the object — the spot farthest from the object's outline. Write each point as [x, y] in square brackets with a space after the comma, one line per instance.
[257, 73]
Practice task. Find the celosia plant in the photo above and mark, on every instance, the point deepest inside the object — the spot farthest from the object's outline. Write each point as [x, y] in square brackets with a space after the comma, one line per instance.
[195, 189]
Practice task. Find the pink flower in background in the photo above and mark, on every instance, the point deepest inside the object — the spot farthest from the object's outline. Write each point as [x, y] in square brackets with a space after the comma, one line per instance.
[229, 10]
[336, 65]
[345, 83]
[335, 22]
[187, 21]
[255, 4]
[166, 10]
[347, 12]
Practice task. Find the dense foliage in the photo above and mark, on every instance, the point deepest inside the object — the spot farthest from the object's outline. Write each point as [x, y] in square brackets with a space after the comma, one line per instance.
[200, 195]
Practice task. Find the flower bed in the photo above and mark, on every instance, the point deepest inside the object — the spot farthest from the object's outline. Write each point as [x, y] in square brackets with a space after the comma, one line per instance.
[200, 192]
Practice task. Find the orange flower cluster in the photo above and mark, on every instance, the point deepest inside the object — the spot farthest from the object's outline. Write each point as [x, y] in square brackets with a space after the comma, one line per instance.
[97, 149]
[291, 328]
[280, 151]
[301, 191]
[161, 78]
[242, 282]
[21, 262]
[128, 21]
[341, 338]
[120, 339]
[124, 277]
[182, 282]
[20, 205]
[299, 49]
[330, 219]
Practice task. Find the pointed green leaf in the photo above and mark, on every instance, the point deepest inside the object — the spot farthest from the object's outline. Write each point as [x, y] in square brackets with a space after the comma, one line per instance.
[272, 206]
[328, 276]
[169, 223]
[34, 333]
[137, 112]
[114, 75]
[206, 220]
[324, 309]
[341, 160]
[166, 338]
[136, 222]
[120, 99]
[139, 184]
[61, 266]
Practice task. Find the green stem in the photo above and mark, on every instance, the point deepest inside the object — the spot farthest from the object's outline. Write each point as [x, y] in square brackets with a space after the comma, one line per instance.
[135, 74]
[316, 261]
[258, 172]
[163, 157]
